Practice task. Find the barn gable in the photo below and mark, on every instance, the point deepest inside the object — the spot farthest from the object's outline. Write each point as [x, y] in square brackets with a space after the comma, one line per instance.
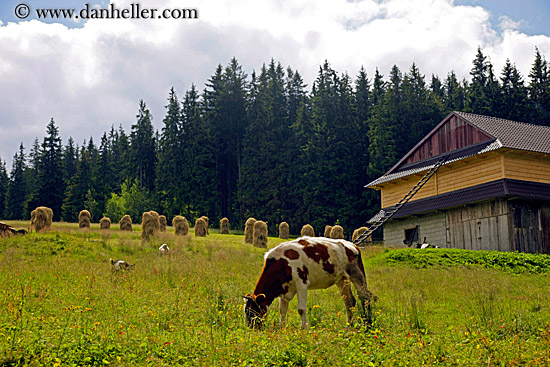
[454, 133]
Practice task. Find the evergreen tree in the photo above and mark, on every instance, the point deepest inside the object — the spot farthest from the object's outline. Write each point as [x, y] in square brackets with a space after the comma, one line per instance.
[142, 148]
[200, 189]
[539, 90]
[170, 159]
[421, 112]
[4, 185]
[69, 160]
[454, 93]
[382, 131]
[51, 185]
[31, 177]
[262, 188]
[17, 188]
[77, 189]
[479, 90]
[225, 113]
[105, 174]
[514, 94]
[331, 175]
[121, 155]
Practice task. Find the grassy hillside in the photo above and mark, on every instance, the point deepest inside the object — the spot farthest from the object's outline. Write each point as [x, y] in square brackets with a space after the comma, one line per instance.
[60, 304]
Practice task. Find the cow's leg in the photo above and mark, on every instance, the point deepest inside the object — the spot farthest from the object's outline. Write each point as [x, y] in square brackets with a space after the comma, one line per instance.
[345, 289]
[302, 304]
[365, 295]
[283, 306]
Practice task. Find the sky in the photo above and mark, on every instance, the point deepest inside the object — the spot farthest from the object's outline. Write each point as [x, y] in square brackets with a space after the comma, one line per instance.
[89, 75]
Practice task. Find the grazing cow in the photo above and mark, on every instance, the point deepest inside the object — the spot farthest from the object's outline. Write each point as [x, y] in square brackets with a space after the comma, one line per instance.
[117, 265]
[306, 263]
[164, 249]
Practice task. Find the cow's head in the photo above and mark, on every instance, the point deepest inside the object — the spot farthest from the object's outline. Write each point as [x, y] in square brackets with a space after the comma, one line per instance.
[254, 310]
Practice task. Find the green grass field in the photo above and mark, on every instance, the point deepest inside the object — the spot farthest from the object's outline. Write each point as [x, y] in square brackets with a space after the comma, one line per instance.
[61, 305]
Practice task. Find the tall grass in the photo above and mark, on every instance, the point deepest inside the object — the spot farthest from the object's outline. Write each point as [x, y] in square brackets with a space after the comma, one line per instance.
[60, 304]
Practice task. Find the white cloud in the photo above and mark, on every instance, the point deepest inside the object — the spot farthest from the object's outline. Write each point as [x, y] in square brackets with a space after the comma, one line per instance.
[92, 77]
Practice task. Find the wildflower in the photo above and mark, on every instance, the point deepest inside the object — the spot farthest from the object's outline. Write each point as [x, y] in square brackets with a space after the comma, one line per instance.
[122, 332]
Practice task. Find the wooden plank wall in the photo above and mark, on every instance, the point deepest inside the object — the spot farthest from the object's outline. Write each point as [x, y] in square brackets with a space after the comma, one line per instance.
[527, 166]
[454, 134]
[482, 226]
[526, 226]
[545, 227]
[458, 175]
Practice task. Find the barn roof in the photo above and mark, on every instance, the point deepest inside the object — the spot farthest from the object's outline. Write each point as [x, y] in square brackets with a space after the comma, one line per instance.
[493, 133]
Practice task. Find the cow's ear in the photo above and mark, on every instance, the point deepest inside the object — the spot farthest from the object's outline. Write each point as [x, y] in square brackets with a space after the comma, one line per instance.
[248, 296]
[260, 298]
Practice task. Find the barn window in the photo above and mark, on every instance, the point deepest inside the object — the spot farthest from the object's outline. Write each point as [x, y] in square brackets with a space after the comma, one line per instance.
[411, 235]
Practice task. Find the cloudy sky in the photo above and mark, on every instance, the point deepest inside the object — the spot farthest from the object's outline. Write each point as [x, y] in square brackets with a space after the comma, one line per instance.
[90, 74]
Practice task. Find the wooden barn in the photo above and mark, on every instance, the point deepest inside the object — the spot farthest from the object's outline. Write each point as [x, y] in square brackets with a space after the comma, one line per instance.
[491, 193]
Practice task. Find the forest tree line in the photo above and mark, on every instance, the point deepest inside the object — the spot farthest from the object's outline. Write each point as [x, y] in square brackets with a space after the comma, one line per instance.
[263, 145]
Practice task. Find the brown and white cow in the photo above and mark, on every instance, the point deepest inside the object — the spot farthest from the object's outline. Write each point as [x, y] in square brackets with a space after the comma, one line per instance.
[294, 267]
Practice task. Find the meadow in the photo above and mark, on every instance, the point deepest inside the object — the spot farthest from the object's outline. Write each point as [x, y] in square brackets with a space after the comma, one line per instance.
[61, 305]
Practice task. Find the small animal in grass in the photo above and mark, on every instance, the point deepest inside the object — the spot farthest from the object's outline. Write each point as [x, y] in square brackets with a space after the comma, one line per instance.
[423, 246]
[294, 267]
[118, 265]
[164, 249]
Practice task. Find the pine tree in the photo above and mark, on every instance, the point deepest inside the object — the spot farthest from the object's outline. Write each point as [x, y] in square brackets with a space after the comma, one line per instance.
[105, 172]
[262, 188]
[539, 90]
[121, 156]
[200, 193]
[478, 95]
[170, 159]
[17, 188]
[383, 149]
[79, 185]
[51, 185]
[4, 185]
[454, 93]
[69, 160]
[513, 94]
[225, 113]
[142, 148]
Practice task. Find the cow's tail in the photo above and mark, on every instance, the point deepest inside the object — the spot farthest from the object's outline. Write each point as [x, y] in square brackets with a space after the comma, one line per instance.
[360, 263]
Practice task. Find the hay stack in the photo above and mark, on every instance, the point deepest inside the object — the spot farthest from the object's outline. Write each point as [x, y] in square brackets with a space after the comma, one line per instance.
[249, 230]
[205, 218]
[283, 230]
[224, 226]
[358, 232]
[181, 225]
[260, 234]
[307, 230]
[105, 223]
[125, 223]
[41, 219]
[150, 224]
[162, 221]
[200, 228]
[328, 229]
[337, 232]
[84, 219]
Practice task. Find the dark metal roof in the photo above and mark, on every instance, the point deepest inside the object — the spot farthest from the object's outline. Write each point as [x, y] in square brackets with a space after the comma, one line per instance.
[506, 133]
[512, 134]
[490, 190]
